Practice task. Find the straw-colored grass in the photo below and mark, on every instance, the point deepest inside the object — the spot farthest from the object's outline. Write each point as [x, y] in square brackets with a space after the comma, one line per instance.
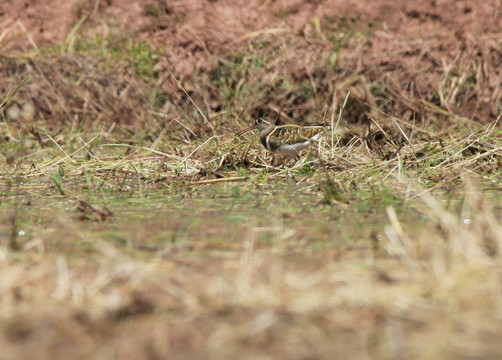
[136, 225]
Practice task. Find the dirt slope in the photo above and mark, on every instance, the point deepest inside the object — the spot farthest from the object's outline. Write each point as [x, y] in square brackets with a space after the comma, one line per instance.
[443, 52]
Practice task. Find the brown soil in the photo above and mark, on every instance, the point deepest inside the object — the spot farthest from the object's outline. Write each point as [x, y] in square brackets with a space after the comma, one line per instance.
[443, 53]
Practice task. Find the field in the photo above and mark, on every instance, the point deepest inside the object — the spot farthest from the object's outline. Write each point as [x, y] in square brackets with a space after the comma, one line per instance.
[135, 224]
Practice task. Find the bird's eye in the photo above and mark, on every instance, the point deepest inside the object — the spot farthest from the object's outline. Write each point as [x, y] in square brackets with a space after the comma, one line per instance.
[259, 121]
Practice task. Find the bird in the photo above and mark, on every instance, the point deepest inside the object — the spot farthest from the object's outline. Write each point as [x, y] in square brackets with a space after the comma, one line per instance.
[288, 140]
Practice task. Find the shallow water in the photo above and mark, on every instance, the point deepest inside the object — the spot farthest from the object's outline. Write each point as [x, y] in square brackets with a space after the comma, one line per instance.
[214, 217]
[211, 216]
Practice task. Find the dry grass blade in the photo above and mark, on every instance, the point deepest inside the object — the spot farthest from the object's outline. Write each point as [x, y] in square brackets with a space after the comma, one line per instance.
[191, 100]
[220, 180]
[254, 34]
[12, 92]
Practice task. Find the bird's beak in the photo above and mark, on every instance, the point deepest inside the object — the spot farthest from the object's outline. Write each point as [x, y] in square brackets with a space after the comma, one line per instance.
[242, 132]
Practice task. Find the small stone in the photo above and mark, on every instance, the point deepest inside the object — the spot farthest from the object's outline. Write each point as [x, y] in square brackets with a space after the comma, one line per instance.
[13, 112]
[28, 111]
[28, 143]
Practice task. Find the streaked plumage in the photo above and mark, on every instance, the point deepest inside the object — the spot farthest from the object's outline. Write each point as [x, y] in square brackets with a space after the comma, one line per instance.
[285, 139]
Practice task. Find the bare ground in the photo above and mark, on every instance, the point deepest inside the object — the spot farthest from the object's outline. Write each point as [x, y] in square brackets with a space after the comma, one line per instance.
[406, 58]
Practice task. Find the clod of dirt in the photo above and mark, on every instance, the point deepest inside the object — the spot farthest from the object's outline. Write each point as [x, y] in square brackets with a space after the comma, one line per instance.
[90, 212]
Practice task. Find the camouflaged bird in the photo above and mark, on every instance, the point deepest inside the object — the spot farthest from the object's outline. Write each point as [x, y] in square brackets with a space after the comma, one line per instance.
[287, 140]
